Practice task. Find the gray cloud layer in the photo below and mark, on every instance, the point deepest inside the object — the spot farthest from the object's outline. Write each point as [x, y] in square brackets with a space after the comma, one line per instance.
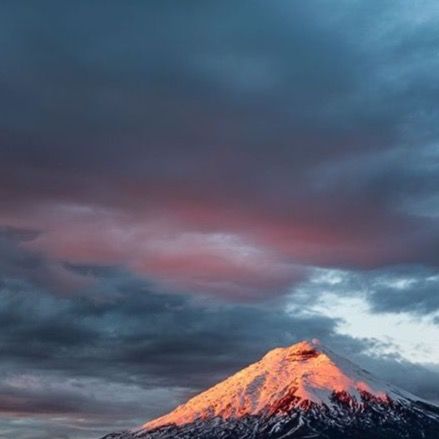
[220, 149]
[293, 110]
[123, 353]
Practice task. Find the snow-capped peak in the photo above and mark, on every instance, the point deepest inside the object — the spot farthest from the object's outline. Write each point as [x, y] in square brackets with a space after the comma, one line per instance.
[295, 376]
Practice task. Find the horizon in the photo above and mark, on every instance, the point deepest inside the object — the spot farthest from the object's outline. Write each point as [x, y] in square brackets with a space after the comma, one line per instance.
[186, 185]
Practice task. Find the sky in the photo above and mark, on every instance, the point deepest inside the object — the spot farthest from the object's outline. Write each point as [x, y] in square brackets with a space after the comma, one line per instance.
[186, 185]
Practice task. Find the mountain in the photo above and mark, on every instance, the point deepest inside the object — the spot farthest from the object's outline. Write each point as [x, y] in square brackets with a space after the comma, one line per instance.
[301, 391]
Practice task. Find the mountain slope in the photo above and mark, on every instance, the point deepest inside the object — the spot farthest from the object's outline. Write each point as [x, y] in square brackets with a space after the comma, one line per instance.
[302, 391]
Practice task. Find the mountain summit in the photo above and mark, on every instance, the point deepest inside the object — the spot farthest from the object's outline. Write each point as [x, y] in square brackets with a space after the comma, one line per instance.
[301, 391]
[294, 377]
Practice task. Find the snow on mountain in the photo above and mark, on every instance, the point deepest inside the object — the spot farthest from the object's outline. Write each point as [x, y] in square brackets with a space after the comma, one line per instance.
[304, 390]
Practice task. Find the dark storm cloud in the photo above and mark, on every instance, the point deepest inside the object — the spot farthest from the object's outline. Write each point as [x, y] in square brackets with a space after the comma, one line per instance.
[113, 359]
[46, 401]
[409, 289]
[289, 125]
[117, 358]
[405, 290]
[24, 267]
[121, 346]
[204, 147]
[128, 328]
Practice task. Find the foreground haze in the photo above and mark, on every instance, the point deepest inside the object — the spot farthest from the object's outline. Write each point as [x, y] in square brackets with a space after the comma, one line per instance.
[300, 391]
[184, 185]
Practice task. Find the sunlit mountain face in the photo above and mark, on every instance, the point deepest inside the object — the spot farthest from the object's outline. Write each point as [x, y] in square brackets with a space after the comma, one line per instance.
[301, 391]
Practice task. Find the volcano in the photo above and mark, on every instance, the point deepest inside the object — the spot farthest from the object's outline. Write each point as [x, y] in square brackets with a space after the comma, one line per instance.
[300, 391]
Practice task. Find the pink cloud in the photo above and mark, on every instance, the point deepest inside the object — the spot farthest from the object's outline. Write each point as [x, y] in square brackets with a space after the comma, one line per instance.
[185, 241]
[165, 252]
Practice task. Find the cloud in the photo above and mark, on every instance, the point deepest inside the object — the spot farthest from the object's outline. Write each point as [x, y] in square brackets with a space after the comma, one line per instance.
[272, 139]
[23, 266]
[402, 289]
[125, 353]
[406, 290]
[98, 361]
[127, 323]
[219, 151]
